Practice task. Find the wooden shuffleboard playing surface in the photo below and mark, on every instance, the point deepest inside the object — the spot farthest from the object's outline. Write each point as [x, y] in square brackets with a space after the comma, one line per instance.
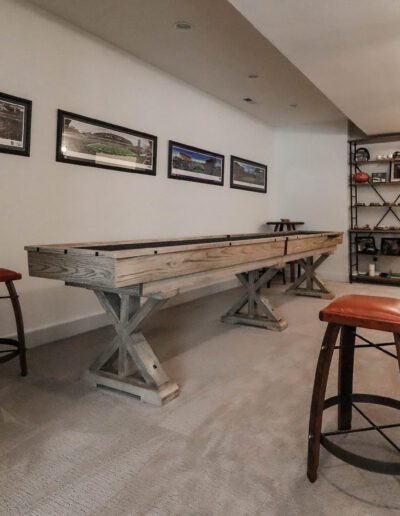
[132, 279]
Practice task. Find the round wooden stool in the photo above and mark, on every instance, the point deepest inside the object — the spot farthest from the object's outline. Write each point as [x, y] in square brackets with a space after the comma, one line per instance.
[345, 314]
[13, 347]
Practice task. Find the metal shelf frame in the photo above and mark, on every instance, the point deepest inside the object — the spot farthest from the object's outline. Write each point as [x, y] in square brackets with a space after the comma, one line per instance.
[354, 199]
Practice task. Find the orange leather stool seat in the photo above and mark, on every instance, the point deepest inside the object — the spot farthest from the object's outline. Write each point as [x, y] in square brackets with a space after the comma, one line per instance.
[7, 275]
[372, 312]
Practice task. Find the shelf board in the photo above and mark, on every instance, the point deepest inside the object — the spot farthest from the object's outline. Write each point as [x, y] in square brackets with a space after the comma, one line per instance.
[375, 161]
[380, 206]
[369, 183]
[384, 231]
[376, 279]
[378, 253]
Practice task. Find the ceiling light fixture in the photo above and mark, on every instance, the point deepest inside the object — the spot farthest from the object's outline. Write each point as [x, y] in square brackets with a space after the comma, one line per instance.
[249, 100]
[293, 105]
[253, 76]
[183, 26]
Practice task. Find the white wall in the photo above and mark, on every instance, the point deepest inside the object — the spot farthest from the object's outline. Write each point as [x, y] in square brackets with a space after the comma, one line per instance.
[311, 162]
[42, 201]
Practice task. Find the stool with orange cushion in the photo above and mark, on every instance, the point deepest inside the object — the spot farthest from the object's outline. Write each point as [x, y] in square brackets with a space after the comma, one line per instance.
[10, 348]
[345, 315]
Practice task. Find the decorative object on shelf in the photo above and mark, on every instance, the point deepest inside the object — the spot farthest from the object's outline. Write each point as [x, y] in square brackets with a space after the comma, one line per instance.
[86, 141]
[361, 177]
[360, 204]
[248, 175]
[193, 164]
[366, 245]
[379, 177]
[375, 204]
[362, 154]
[390, 246]
[396, 155]
[15, 125]
[371, 269]
[395, 173]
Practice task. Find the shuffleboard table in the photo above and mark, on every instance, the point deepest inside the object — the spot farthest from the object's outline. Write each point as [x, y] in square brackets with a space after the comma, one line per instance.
[133, 279]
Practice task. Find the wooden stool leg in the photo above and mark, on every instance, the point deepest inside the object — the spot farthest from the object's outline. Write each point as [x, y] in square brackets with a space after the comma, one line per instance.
[345, 380]
[318, 398]
[20, 326]
[397, 343]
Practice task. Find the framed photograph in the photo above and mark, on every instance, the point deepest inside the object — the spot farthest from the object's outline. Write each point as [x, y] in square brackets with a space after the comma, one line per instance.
[390, 246]
[86, 141]
[366, 245]
[15, 125]
[378, 177]
[193, 164]
[248, 175]
[395, 172]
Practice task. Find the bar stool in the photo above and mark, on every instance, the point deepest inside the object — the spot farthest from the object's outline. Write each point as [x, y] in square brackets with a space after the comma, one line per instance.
[13, 347]
[345, 315]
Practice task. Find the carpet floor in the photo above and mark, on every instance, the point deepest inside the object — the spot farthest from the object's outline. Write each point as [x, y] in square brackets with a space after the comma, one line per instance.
[233, 443]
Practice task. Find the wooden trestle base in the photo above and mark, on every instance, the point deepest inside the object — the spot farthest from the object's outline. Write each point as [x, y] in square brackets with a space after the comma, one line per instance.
[129, 364]
[133, 280]
[253, 308]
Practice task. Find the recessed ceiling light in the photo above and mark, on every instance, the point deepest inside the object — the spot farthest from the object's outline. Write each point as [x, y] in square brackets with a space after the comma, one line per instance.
[293, 105]
[253, 76]
[249, 100]
[183, 26]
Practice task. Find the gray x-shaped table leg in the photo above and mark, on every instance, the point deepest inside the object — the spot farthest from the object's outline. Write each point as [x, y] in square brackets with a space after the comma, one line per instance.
[253, 308]
[129, 365]
[311, 280]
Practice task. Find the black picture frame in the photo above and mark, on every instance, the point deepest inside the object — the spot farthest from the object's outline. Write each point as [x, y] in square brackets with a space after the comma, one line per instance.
[390, 246]
[366, 245]
[238, 167]
[395, 173]
[15, 125]
[213, 161]
[81, 152]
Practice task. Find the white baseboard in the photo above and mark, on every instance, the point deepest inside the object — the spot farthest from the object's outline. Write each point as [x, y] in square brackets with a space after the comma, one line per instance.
[65, 329]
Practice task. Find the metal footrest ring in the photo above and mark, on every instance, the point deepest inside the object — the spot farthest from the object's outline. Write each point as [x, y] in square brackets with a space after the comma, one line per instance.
[8, 354]
[377, 466]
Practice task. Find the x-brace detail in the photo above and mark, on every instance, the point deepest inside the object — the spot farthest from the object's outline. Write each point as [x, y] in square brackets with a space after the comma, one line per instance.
[253, 308]
[315, 287]
[129, 364]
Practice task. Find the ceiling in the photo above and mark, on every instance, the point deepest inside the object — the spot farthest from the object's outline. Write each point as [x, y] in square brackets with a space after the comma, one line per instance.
[216, 56]
[349, 49]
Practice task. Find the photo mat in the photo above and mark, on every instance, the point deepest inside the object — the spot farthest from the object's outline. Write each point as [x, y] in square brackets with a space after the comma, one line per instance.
[87, 141]
[194, 164]
[248, 175]
[15, 124]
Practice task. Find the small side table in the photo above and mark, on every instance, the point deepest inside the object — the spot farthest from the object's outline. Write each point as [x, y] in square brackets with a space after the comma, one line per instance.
[280, 225]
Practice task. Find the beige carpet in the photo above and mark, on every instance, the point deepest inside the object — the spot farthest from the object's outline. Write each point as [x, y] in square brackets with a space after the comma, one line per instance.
[233, 443]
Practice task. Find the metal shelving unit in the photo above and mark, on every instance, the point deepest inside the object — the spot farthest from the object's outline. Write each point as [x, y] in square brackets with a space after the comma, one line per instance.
[381, 191]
